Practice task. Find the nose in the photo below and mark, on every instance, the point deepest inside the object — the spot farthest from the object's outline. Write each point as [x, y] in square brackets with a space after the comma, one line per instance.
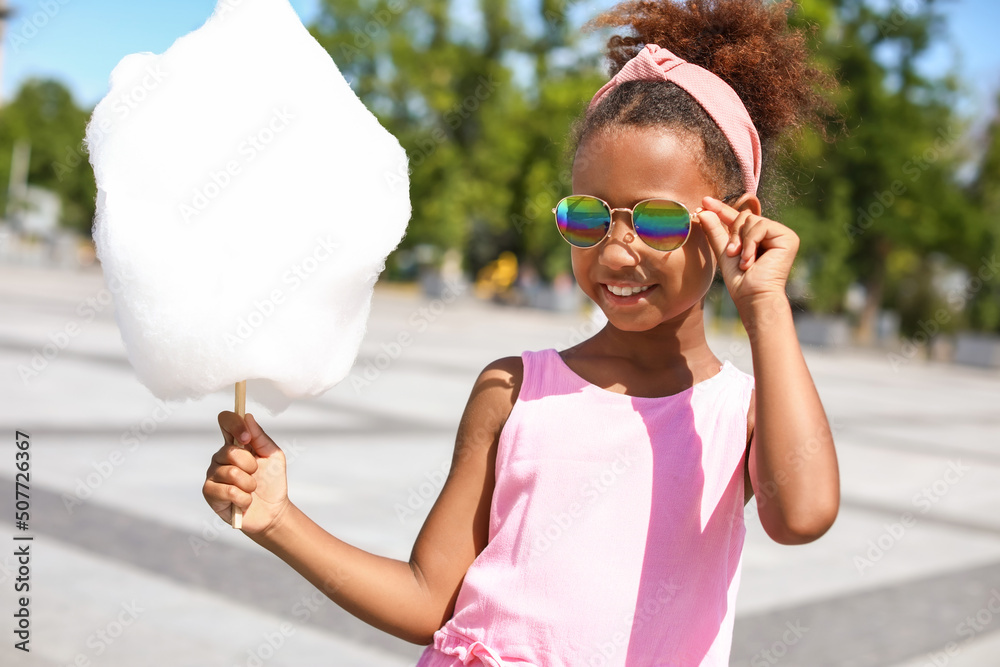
[619, 248]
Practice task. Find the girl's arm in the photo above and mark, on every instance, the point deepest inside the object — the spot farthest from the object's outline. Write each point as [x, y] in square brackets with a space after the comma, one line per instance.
[411, 600]
[792, 461]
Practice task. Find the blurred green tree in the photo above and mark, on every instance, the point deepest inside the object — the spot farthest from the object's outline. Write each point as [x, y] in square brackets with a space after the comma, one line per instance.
[982, 290]
[44, 114]
[457, 85]
[886, 191]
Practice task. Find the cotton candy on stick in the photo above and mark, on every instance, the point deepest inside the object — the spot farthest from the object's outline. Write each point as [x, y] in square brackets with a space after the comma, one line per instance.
[246, 203]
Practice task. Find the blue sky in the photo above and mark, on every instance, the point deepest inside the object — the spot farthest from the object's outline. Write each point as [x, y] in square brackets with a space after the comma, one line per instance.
[81, 41]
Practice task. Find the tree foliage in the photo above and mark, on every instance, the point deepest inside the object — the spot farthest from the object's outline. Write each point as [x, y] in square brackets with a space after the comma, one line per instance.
[45, 115]
[481, 95]
[882, 204]
[482, 104]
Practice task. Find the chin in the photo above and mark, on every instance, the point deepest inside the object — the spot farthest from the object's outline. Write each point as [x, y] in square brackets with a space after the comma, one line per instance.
[631, 324]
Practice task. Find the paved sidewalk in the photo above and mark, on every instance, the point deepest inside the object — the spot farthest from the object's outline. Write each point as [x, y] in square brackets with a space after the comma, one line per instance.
[138, 571]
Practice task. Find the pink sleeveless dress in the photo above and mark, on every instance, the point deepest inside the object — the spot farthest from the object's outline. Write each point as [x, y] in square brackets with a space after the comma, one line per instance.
[616, 528]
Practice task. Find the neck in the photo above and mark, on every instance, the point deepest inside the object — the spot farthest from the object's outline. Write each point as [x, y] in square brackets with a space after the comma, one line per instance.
[677, 342]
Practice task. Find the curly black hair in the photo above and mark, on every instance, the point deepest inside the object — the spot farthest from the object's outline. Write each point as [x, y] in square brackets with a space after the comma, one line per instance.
[748, 44]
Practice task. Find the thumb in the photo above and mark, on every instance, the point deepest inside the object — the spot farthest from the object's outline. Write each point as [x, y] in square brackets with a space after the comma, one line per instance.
[260, 442]
[717, 233]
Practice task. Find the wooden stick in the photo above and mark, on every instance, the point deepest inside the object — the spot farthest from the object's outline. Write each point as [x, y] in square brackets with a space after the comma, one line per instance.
[241, 410]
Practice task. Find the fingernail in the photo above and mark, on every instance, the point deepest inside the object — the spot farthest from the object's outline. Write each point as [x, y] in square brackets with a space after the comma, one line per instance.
[244, 437]
[731, 246]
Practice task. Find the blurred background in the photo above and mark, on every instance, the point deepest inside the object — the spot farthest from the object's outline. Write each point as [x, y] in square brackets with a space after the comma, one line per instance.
[896, 294]
[895, 218]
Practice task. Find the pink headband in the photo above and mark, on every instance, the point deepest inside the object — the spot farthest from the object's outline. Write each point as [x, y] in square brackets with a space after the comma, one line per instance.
[718, 99]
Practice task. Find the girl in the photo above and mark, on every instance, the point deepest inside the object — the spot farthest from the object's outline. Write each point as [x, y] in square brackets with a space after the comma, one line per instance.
[593, 513]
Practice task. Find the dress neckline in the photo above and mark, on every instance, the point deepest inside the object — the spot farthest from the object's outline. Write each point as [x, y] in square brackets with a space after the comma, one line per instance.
[726, 365]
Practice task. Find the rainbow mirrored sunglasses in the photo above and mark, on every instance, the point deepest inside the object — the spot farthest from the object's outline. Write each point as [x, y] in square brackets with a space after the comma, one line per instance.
[662, 224]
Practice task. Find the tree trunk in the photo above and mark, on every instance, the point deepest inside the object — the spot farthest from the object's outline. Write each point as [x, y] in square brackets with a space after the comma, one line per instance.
[874, 287]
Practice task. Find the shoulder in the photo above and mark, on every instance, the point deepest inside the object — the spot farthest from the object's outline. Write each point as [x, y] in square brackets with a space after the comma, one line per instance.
[510, 368]
[494, 393]
[503, 376]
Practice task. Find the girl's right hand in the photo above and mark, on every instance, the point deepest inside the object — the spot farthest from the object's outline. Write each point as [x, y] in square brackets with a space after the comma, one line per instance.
[254, 478]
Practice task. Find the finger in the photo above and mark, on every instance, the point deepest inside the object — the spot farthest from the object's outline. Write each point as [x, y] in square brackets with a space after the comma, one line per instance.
[233, 427]
[234, 476]
[234, 455]
[736, 233]
[717, 233]
[261, 442]
[726, 213]
[219, 495]
[751, 241]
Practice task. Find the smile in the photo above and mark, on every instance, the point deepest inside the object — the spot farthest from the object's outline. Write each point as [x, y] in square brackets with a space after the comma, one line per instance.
[627, 290]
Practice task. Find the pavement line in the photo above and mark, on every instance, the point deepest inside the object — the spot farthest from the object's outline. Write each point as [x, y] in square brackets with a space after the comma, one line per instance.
[871, 628]
[992, 530]
[867, 439]
[877, 627]
[256, 578]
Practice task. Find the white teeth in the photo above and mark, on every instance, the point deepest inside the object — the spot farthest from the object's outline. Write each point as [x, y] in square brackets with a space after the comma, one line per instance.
[627, 291]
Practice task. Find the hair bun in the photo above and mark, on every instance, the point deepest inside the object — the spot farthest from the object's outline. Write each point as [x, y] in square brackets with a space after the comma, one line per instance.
[747, 43]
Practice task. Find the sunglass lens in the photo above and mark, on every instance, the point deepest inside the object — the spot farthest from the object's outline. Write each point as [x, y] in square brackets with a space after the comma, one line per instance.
[662, 224]
[583, 221]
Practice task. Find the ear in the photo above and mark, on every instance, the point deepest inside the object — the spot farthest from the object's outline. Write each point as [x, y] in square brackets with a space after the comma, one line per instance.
[747, 201]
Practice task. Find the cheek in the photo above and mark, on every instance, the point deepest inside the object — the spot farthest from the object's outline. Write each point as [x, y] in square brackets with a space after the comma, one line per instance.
[579, 264]
[701, 254]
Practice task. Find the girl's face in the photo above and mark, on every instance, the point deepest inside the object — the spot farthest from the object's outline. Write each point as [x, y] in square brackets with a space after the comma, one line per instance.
[623, 168]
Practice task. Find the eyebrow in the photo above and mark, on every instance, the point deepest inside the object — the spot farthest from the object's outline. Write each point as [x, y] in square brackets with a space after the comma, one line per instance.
[631, 202]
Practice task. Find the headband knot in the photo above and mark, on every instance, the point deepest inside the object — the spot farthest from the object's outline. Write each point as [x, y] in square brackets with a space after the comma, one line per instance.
[716, 97]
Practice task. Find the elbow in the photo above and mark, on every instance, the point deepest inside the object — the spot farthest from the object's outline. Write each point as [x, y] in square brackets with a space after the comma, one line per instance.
[792, 531]
[420, 639]
[422, 635]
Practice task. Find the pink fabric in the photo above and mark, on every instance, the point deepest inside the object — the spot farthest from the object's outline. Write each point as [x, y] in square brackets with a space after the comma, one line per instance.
[616, 529]
[716, 96]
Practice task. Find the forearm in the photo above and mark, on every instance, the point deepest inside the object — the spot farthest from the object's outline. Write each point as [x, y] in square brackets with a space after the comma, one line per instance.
[793, 461]
[386, 593]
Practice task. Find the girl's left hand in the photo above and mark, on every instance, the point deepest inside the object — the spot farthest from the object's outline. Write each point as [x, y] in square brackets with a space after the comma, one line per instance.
[759, 265]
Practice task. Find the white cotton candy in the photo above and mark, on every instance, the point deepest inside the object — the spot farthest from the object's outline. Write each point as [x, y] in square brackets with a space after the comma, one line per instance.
[247, 201]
